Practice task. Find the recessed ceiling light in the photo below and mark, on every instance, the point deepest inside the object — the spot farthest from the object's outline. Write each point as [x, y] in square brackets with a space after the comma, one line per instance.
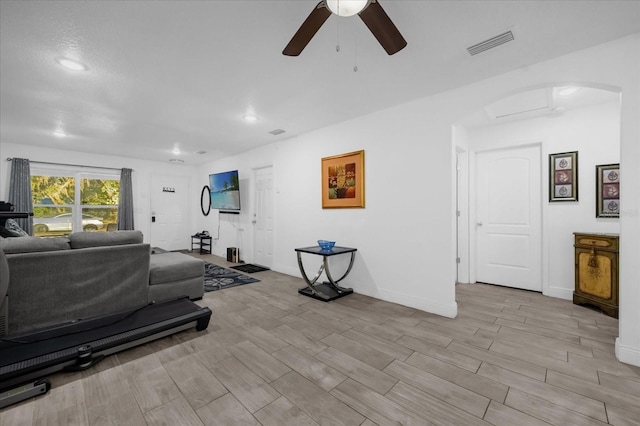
[250, 117]
[59, 133]
[567, 91]
[71, 64]
[176, 151]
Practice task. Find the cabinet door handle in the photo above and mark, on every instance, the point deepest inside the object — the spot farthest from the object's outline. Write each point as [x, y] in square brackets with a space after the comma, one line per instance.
[593, 261]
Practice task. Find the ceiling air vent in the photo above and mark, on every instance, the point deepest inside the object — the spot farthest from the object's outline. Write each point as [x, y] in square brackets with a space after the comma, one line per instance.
[491, 43]
[277, 132]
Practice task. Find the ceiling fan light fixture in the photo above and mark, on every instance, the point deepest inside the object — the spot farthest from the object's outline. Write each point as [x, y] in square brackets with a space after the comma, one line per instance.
[346, 7]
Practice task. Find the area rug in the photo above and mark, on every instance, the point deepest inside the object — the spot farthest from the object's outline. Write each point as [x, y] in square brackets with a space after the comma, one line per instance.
[218, 278]
[250, 268]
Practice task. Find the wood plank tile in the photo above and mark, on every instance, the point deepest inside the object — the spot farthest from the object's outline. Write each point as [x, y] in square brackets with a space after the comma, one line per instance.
[197, 384]
[227, 411]
[422, 334]
[612, 367]
[621, 417]
[595, 391]
[298, 339]
[357, 370]
[501, 415]
[316, 403]
[379, 330]
[431, 408]
[357, 350]
[318, 372]
[309, 329]
[329, 323]
[253, 392]
[119, 410]
[630, 386]
[374, 406]
[481, 385]
[282, 412]
[537, 357]
[440, 353]
[561, 397]
[150, 384]
[175, 412]
[449, 392]
[264, 339]
[537, 341]
[510, 363]
[547, 411]
[567, 337]
[106, 385]
[262, 363]
[394, 350]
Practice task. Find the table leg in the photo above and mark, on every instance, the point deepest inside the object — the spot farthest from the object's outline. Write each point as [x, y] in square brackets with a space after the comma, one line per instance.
[327, 290]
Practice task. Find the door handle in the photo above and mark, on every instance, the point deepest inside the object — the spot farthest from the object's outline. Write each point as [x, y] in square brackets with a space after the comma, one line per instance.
[479, 224]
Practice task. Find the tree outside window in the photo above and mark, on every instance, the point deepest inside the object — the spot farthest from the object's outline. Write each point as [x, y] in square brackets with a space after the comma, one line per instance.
[64, 204]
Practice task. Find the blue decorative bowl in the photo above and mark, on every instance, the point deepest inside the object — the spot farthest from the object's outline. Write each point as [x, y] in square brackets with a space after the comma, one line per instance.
[326, 245]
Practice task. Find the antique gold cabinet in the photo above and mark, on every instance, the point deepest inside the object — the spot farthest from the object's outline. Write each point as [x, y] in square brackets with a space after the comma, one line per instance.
[596, 258]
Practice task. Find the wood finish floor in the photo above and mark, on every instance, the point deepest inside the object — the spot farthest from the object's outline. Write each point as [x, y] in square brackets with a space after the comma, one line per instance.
[272, 357]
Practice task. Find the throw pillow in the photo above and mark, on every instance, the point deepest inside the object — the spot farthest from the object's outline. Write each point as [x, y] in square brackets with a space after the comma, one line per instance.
[5, 233]
[13, 226]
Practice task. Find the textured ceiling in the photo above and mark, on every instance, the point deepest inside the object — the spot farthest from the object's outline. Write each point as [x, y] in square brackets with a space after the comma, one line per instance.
[181, 74]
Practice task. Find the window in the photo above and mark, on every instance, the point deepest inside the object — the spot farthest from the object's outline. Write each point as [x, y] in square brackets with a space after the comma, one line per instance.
[64, 202]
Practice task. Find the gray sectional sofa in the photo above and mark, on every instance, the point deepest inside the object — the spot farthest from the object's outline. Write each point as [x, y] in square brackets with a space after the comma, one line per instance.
[57, 280]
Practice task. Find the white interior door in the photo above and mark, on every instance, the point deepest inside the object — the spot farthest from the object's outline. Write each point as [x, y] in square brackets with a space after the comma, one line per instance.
[169, 201]
[263, 229]
[509, 228]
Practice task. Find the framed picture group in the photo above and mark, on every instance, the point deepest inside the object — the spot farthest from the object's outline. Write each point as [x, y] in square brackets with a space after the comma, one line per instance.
[563, 183]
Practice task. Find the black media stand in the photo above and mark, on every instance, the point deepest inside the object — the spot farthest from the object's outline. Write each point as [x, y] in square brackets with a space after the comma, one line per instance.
[202, 242]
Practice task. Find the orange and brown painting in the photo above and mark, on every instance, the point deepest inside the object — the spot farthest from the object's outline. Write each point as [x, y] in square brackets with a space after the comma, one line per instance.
[342, 181]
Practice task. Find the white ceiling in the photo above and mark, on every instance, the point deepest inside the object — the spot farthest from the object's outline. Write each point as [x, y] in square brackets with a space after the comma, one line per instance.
[181, 74]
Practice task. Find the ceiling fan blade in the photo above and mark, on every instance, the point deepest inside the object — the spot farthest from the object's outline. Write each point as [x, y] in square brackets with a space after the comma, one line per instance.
[307, 30]
[383, 28]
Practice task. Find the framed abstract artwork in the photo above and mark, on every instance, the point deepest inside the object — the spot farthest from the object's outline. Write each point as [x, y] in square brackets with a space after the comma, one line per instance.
[343, 181]
[563, 176]
[608, 190]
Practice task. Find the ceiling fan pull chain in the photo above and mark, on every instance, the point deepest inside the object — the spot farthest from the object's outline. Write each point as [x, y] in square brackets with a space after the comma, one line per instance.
[355, 51]
[338, 32]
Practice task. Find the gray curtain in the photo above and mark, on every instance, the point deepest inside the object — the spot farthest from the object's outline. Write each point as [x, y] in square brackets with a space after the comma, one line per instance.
[125, 206]
[20, 192]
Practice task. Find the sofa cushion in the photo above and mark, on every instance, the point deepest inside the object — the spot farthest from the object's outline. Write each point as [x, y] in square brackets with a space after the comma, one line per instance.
[84, 239]
[168, 267]
[33, 244]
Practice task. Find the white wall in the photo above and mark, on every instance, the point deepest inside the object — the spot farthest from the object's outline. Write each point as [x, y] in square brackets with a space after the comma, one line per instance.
[141, 177]
[405, 235]
[595, 133]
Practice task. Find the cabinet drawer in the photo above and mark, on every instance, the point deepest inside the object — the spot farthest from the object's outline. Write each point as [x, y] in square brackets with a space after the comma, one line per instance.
[607, 242]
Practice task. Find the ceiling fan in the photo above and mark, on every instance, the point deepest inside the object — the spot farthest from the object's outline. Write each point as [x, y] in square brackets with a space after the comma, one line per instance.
[371, 13]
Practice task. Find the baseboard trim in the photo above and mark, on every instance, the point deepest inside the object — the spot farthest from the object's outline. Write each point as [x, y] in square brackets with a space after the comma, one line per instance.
[559, 292]
[445, 310]
[627, 354]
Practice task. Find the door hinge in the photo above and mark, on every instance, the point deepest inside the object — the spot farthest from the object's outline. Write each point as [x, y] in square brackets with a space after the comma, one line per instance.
[458, 213]
[457, 260]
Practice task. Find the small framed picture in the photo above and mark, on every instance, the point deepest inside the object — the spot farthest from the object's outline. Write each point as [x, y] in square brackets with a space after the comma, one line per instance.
[343, 181]
[563, 176]
[608, 190]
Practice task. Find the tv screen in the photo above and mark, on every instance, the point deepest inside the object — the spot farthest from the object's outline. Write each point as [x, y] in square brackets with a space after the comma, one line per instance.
[225, 190]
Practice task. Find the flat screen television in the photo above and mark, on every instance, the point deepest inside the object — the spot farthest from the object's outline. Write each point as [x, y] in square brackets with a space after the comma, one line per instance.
[225, 190]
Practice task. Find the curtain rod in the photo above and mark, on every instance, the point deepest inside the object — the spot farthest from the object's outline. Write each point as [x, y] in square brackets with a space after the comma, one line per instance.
[72, 165]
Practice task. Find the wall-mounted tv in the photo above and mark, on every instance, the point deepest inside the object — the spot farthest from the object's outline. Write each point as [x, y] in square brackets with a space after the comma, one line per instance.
[225, 190]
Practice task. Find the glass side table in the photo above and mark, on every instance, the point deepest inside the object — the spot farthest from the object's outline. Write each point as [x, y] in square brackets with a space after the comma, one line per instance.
[327, 290]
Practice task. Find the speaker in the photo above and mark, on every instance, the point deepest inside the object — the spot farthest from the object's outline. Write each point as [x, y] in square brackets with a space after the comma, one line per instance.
[233, 254]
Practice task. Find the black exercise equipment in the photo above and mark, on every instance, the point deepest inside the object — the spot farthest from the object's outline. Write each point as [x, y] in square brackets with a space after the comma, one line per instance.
[25, 359]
